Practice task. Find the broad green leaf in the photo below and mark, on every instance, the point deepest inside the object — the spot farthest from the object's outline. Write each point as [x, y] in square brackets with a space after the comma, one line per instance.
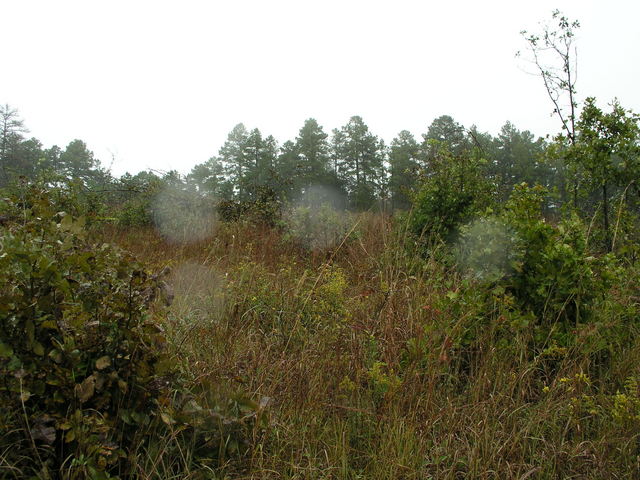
[5, 350]
[38, 349]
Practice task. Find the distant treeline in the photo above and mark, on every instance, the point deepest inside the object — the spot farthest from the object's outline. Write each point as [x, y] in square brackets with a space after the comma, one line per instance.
[353, 161]
[358, 167]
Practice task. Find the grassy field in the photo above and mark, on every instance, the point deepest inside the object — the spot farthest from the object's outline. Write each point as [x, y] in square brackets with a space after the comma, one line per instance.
[369, 360]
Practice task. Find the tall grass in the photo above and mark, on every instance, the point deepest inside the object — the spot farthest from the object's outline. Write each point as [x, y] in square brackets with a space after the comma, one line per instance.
[374, 362]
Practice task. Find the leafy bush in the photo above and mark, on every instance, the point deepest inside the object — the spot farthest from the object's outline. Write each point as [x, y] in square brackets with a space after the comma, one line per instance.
[485, 248]
[555, 276]
[86, 375]
[64, 195]
[135, 212]
[264, 207]
[451, 192]
[439, 210]
[547, 269]
[80, 358]
[133, 202]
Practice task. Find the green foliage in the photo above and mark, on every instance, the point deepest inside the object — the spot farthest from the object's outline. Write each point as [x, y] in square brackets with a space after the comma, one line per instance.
[403, 166]
[69, 196]
[384, 383]
[516, 159]
[265, 207]
[439, 210]
[587, 408]
[358, 155]
[485, 248]
[11, 130]
[244, 169]
[305, 163]
[209, 179]
[78, 163]
[604, 160]
[555, 275]
[80, 357]
[86, 375]
[452, 191]
[607, 147]
[553, 280]
[289, 303]
[134, 207]
[445, 131]
[135, 213]
[625, 410]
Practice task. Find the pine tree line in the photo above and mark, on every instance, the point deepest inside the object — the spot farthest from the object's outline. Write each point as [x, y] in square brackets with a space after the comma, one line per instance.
[356, 163]
[353, 168]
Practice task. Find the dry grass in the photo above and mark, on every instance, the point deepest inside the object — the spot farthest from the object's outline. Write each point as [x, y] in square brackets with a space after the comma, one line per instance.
[366, 366]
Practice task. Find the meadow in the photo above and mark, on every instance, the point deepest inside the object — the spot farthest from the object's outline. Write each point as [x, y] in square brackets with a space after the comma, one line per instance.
[366, 360]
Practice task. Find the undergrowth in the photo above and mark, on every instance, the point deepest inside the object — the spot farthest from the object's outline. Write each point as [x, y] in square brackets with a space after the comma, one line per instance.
[369, 359]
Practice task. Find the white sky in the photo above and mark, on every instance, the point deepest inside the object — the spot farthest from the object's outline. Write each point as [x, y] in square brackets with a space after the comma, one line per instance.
[160, 84]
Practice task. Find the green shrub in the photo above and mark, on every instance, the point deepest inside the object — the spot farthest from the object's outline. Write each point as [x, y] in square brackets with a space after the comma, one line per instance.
[80, 358]
[485, 248]
[135, 212]
[264, 207]
[547, 269]
[439, 210]
[64, 196]
[555, 275]
[451, 192]
[86, 376]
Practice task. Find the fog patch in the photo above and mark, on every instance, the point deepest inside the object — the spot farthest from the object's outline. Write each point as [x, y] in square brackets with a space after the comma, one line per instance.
[316, 196]
[317, 219]
[485, 248]
[183, 216]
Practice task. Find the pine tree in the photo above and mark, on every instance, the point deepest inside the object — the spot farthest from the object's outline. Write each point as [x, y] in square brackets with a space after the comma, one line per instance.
[11, 130]
[403, 166]
[359, 161]
[235, 163]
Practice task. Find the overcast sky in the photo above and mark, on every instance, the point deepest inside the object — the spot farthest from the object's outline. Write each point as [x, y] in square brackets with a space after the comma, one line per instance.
[159, 84]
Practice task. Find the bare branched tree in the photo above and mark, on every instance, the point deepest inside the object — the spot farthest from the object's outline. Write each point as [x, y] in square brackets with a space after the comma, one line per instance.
[555, 57]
